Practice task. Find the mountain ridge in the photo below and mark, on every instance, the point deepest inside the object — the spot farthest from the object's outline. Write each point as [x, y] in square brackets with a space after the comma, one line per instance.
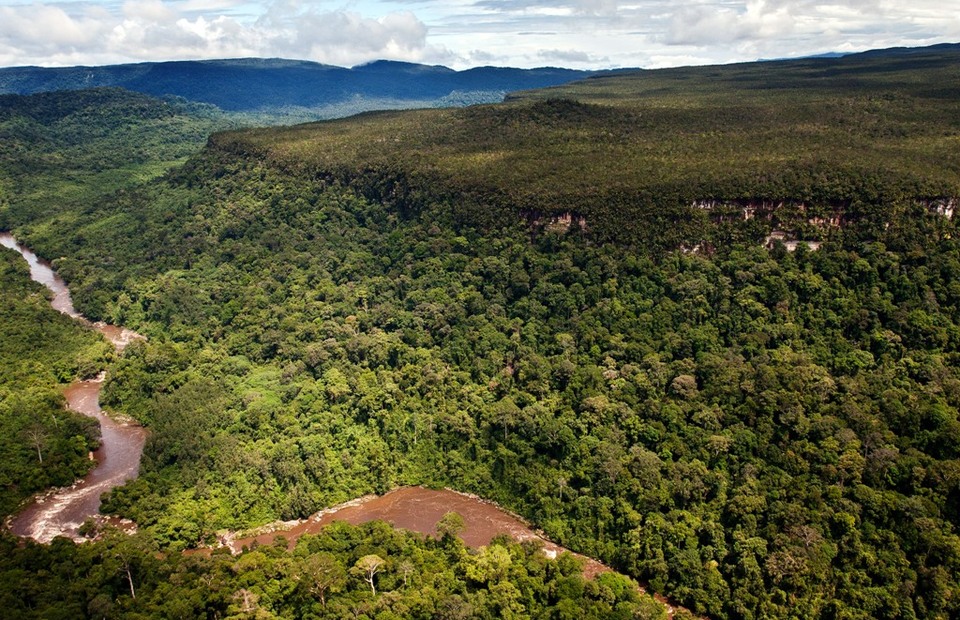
[254, 84]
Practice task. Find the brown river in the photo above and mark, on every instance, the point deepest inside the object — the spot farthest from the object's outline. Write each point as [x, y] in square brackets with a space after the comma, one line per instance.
[61, 512]
[417, 509]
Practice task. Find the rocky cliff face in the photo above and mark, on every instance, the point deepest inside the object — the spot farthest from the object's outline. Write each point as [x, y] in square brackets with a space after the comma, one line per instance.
[791, 222]
[826, 216]
[833, 215]
[941, 206]
[555, 222]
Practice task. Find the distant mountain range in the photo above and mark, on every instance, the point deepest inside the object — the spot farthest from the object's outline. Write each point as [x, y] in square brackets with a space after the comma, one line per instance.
[253, 84]
[295, 90]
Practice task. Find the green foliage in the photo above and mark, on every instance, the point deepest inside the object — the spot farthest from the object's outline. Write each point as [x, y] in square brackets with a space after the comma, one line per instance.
[630, 153]
[66, 150]
[450, 525]
[741, 430]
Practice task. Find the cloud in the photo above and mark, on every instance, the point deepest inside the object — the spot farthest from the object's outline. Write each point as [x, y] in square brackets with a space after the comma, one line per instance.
[463, 33]
[481, 57]
[596, 7]
[156, 30]
[148, 10]
[347, 38]
[702, 25]
[581, 7]
[194, 6]
[809, 25]
[40, 26]
[569, 58]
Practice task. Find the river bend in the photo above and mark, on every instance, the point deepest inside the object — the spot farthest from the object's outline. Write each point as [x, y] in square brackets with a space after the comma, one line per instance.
[61, 512]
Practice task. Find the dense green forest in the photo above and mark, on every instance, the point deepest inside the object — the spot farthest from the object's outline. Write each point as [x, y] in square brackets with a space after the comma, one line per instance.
[754, 432]
[757, 433]
[630, 153]
[74, 147]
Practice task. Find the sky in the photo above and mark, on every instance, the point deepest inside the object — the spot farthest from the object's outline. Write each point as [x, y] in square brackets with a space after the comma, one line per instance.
[582, 34]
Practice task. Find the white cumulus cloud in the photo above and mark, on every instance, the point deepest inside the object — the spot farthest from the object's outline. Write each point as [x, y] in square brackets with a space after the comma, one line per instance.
[462, 33]
[141, 30]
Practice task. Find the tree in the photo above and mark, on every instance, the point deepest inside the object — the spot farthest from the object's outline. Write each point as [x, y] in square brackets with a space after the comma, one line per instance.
[323, 573]
[368, 567]
[38, 437]
[336, 384]
[450, 525]
[126, 554]
[489, 565]
[505, 413]
[406, 569]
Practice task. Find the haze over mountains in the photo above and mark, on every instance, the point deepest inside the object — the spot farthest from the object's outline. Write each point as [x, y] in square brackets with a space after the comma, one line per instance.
[252, 84]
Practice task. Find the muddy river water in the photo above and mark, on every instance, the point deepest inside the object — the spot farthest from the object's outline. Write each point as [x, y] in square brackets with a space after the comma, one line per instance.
[417, 509]
[61, 512]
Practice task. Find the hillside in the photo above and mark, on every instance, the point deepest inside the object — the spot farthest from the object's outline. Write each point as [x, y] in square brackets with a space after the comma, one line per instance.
[510, 300]
[308, 89]
[627, 151]
[67, 150]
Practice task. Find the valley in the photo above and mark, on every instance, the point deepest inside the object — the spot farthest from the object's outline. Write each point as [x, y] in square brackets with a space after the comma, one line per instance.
[276, 91]
[562, 304]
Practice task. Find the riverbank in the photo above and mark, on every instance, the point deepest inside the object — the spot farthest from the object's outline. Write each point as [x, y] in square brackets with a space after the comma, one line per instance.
[416, 509]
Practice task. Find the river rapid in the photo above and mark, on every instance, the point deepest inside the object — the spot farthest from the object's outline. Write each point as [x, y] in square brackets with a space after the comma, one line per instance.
[61, 512]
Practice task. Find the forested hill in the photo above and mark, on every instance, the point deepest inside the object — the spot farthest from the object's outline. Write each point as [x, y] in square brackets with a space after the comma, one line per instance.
[68, 148]
[627, 155]
[254, 84]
